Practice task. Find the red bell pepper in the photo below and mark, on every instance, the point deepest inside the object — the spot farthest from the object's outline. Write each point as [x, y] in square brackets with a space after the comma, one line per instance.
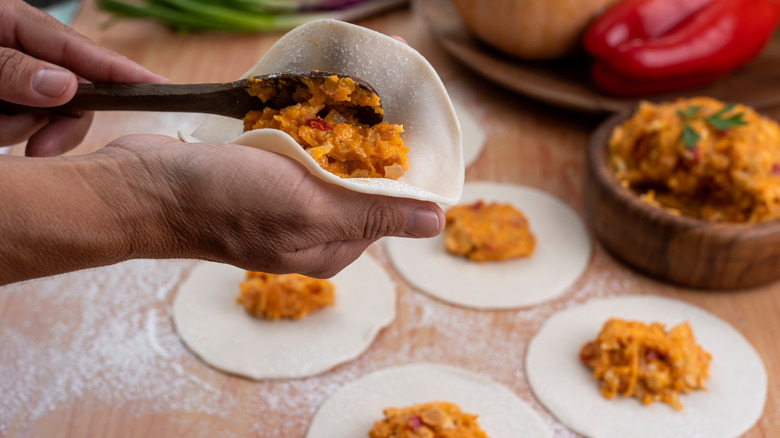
[637, 20]
[650, 46]
[318, 123]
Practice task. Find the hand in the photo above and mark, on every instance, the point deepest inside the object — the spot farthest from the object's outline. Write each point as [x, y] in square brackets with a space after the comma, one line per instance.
[251, 208]
[41, 61]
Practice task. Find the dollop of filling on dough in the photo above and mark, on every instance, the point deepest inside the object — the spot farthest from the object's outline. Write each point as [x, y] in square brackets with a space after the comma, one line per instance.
[331, 133]
[427, 420]
[292, 296]
[634, 359]
[701, 158]
[488, 232]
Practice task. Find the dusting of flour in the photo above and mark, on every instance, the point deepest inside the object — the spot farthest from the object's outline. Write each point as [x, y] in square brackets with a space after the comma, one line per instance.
[111, 341]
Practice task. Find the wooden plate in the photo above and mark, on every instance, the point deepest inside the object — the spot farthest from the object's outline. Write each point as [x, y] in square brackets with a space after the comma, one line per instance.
[677, 249]
[566, 83]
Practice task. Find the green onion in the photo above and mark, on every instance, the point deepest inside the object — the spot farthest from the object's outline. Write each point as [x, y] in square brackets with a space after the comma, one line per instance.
[241, 15]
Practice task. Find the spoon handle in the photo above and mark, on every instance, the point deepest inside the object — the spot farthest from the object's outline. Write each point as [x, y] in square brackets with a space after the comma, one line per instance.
[230, 99]
[227, 99]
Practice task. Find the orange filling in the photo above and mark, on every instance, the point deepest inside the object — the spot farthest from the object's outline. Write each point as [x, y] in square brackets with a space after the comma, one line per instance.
[701, 158]
[283, 296]
[330, 132]
[427, 420]
[488, 232]
[645, 361]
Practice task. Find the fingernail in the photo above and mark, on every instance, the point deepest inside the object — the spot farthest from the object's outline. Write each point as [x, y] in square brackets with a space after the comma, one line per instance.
[421, 223]
[51, 83]
[399, 38]
[162, 78]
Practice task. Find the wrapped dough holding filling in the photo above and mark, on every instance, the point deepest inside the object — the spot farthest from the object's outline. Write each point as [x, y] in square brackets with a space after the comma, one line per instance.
[291, 296]
[634, 359]
[413, 99]
[326, 126]
[427, 420]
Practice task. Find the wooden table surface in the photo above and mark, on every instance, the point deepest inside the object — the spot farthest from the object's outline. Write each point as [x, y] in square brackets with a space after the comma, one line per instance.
[94, 353]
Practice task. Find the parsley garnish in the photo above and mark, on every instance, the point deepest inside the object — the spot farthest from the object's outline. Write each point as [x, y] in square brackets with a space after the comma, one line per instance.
[692, 111]
[721, 124]
[690, 137]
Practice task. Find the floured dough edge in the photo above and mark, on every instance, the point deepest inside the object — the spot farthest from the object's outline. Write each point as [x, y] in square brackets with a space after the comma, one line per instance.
[220, 332]
[563, 252]
[352, 410]
[412, 95]
[732, 404]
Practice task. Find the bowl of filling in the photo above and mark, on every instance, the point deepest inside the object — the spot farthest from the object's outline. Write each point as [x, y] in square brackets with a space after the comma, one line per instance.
[688, 192]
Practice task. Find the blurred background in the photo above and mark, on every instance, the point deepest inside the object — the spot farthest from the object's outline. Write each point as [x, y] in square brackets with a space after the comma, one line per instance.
[62, 10]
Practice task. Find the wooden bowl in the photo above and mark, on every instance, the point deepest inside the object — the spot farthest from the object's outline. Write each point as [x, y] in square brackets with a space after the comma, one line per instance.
[677, 249]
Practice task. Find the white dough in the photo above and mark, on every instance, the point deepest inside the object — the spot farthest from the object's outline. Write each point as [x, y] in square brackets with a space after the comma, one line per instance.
[732, 404]
[563, 249]
[352, 410]
[224, 335]
[473, 135]
[411, 92]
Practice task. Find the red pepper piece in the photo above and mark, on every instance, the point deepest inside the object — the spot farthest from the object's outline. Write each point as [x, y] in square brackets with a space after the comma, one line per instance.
[651, 355]
[636, 19]
[695, 155]
[320, 124]
[587, 352]
[719, 38]
[415, 422]
[642, 52]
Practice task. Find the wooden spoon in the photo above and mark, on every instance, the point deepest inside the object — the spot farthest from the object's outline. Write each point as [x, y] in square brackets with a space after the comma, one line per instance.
[230, 99]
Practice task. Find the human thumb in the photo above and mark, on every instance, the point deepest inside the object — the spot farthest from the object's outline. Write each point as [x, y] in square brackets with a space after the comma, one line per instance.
[423, 222]
[29, 81]
[373, 217]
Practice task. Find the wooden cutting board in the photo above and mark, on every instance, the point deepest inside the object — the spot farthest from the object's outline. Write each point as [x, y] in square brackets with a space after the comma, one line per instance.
[87, 360]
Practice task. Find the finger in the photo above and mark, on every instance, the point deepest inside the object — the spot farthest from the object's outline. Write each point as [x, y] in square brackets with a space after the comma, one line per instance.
[328, 259]
[19, 127]
[30, 81]
[421, 222]
[369, 217]
[38, 34]
[399, 38]
[59, 136]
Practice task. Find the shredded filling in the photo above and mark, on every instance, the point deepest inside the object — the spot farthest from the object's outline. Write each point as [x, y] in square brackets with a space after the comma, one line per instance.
[701, 158]
[330, 132]
[291, 296]
[647, 362]
[427, 420]
[488, 232]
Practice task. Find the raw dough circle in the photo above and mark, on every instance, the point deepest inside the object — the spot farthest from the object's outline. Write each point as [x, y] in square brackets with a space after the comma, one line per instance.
[732, 404]
[473, 134]
[352, 410]
[563, 249]
[223, 335]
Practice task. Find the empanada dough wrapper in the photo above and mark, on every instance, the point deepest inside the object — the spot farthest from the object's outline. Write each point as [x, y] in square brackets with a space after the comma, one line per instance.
[411, 92]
